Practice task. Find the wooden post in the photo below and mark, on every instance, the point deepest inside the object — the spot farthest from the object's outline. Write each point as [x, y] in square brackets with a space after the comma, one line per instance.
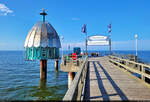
[56, 65]
[143, 71]
[135, 58]
[139, 67]
[43, 69]
[71, 76]
[77, 62]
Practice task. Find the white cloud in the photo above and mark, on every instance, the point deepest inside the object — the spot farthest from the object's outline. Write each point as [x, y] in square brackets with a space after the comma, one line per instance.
[4, 10]
[75, 19]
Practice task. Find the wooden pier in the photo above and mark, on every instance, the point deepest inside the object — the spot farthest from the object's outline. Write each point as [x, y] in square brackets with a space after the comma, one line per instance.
[104, 78]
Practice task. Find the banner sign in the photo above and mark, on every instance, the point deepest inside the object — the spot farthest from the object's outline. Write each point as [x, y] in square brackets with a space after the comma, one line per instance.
[97, 38]
[102, 43]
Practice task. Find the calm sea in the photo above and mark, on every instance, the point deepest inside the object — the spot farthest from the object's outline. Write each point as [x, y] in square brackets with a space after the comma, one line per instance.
[20, 79]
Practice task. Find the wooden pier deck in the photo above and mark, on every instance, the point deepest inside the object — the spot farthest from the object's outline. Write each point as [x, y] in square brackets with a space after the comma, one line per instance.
[106, 81]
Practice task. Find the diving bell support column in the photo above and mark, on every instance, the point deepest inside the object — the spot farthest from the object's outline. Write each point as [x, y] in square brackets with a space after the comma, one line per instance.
[71, 76]
[43, 69]
[56, 64]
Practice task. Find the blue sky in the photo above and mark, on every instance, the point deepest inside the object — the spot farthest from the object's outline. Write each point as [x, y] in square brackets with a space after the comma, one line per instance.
[128, 17]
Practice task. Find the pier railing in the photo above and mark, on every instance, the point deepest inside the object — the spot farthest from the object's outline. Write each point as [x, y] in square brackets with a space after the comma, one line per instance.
[76, 91]
[132, 66]
[67, 59]
[127, 56]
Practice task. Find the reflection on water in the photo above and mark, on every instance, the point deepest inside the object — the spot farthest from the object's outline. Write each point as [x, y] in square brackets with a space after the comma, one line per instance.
[57, 73]
[46, 92]
[42, 84]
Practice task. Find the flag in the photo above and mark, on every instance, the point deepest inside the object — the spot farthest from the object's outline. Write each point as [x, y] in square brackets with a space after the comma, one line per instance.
[84, 28]
[109, 28]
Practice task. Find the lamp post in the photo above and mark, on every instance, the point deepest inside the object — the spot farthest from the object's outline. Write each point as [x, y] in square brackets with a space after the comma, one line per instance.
[69, 48]
[62, 38]
[109, 46]
[86, 44]
[136, 43]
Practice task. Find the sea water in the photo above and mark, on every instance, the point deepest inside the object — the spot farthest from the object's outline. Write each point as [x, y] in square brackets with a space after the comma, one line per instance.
[20, 79]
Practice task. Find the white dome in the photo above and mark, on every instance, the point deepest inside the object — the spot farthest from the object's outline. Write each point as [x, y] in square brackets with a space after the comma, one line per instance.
[42, 34]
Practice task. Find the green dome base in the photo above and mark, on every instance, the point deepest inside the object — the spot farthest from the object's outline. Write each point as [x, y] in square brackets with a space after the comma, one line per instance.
[34, 53]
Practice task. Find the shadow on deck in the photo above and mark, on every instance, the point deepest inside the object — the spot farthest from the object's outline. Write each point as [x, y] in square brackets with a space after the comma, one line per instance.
[104, 95]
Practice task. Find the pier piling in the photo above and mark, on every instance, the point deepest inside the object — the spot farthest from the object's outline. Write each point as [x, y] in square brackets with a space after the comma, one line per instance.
[56, 65]
[43, 69]
[71, 76]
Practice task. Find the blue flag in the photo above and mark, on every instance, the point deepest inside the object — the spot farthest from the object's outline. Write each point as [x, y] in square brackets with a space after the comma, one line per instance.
[84, 28]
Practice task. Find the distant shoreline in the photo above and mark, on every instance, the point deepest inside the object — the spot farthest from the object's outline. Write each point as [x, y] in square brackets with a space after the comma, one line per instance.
[88, 50]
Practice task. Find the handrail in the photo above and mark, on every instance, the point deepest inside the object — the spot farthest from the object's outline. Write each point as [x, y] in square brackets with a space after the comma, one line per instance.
[78, 61]
[128, 56]
[145, 65]
[76, 90]
[70, 56]
[138, 67]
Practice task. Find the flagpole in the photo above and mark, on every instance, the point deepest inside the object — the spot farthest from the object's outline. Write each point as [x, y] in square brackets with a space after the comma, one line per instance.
[136, 43]
[109, 39]
[86, 44]
[84, 30]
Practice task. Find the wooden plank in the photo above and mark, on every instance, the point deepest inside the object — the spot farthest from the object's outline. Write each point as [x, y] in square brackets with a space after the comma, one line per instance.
[107, 82]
